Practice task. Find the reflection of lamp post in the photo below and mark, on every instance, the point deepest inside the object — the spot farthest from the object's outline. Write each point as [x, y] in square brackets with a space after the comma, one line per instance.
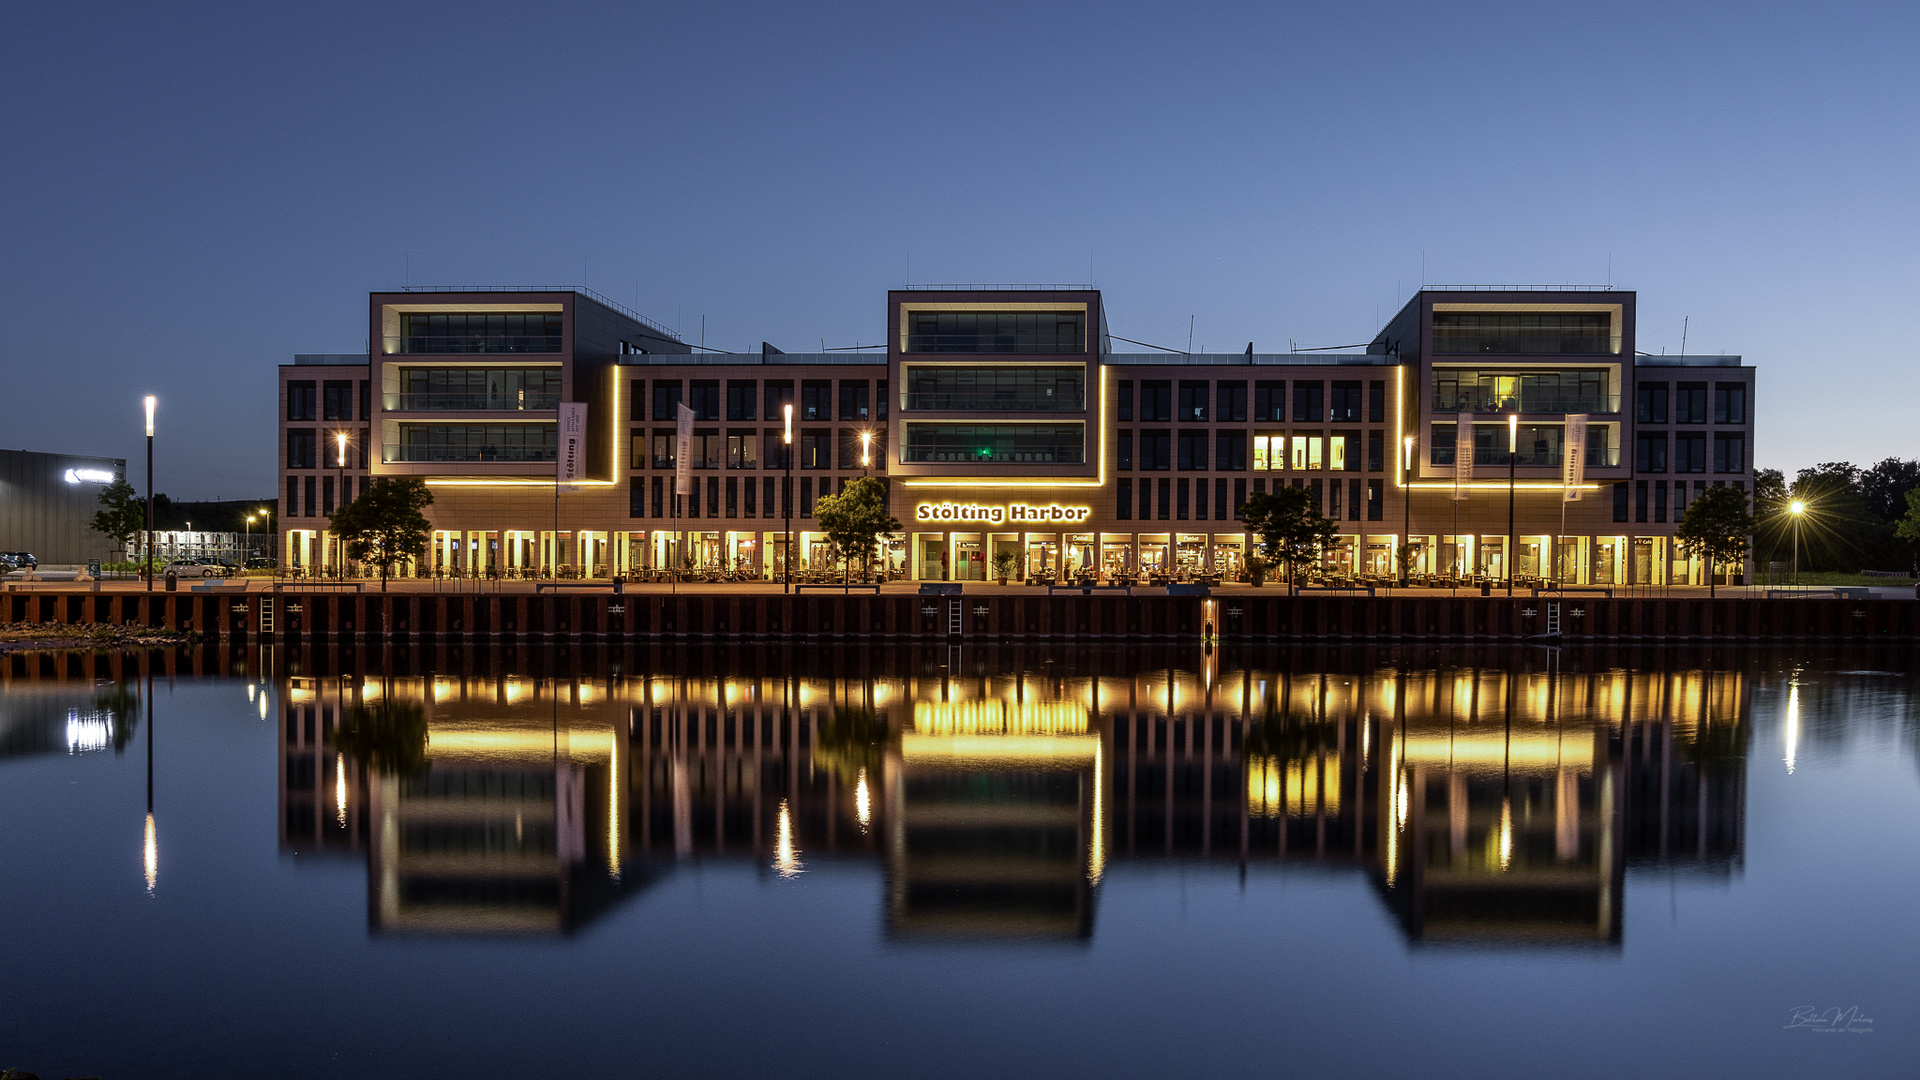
[1513, 450]
[1798, 508]
[786, 541]
[1406, 531]
[148, 569]
[150, 846]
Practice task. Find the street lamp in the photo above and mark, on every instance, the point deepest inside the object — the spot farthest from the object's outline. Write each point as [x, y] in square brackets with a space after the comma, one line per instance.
[340, 459]
[866, 452]
[786, 556]
[1406, 530]
[1513, 452]
[148, 568]
[1798, 508]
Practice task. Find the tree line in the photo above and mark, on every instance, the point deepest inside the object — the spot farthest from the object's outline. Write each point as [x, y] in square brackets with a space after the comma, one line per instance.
[1855, 518]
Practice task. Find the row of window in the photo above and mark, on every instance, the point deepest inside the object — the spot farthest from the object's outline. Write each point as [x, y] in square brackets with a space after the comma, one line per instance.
[432, 389]
[1532, 445]
[304, 451]
[1646, 500]
[1188, 451]
[1200, 401]
[704, 397]
[1543, 333]
[1686, 403]
[1169, 499]
[1055, 388]
[1468, 390]
[319, 495]
[996, 332]
[304, 397]
[494, 332]
[1689, 452]
[739, 448]
[733, 496]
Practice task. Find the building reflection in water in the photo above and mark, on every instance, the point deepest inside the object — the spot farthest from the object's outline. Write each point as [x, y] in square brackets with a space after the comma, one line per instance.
[1485, 804]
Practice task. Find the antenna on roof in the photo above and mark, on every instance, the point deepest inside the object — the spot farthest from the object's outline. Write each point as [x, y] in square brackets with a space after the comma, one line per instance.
[1189, 335]
[1249, 352]
[1683, 333]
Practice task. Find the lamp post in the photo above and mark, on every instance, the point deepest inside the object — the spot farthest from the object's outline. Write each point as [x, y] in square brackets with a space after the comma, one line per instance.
[1798, 508]
[786, 499]
[147, 570]
[866, 452]
[340, 459]
[246, 541]
[1513, 451]
[1406, 524]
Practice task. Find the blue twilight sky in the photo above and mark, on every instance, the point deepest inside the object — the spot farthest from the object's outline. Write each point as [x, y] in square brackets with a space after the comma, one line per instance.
[196, 192]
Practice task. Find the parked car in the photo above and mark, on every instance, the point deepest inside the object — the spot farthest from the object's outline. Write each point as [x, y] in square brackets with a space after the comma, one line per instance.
[193, 568]
[263, 562]
[22, 560]
[7, 563]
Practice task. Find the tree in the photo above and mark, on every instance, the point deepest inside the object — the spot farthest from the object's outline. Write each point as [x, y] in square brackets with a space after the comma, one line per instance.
[385, 525]
[122, 516]
[1289, 526]
[1908, 527]
[1716, 528]
[856, 520]
[1884, 487]
[388, 736]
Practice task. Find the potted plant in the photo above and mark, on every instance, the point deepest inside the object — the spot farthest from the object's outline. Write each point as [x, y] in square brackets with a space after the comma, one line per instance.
[1002, 565]
[1256, 570]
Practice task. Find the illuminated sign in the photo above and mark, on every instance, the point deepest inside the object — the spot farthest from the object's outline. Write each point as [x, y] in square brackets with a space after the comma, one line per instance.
[1022, 513]
[89, 476]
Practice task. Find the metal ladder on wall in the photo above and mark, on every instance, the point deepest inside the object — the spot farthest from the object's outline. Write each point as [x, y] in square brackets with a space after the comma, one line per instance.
[1553, 616]
[953, 617]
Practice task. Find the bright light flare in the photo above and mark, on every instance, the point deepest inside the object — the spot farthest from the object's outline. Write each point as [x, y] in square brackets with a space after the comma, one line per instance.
[862, 802]
[786, 857]
[151, 403]
[151, 849]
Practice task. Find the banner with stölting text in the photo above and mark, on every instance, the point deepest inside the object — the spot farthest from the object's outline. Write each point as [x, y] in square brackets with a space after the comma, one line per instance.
[1462, 454]
[570, 463]
[1573, 463]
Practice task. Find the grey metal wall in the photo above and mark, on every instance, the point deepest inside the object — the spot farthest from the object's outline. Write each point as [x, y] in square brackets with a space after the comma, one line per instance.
[42, 512]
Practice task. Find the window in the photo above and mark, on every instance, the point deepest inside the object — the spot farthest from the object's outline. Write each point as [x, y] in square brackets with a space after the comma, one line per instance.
[1230, 402]
[1308, 451]
[366, 400]
[996, 332]
[663, 448]
[1166, 498]
[1156, 401]
[703, 397]
[313, 503]
[1650, 403]
[816, 400]
[995, 444]
[659, 497]
[1353, 500]
[1240, 498]
[1343, 451]
[1729, 452]
[1270, 401]
[740, 397]
[1730, 403]
[637, 454]
[1690, 403]
[442, 389]
[302, 448]
[1376, 402]
[1469, 390]
[1269, 452]
[293, 497]
[1376, 451]
[816, 451]
[637, 496]
[1690, 452]
[1220, 498]
[1346, 402]
[775, 448]
[1640, 501]
[713, 496]
[853, 401]
[779, 396]
[475, 442]
[743, 450]
[751, 489]
[1333, 499]
[1620, 501]
[1124, 460]
[1376, 495]
[338, 400]
[767, 500]
[1056, 388]
[1650, 453]
[666, 399]
[733, 496]
[1660, 499]
[1156, 450]
[1543, 333]
[300, 401]
[1123, 500]
[1180, 500]
[880, 400]
[1193, 401]
[1193, 451]
[1307, 402]
[1123, 400]
[1230, 452]
[493, 332]
[806, 495]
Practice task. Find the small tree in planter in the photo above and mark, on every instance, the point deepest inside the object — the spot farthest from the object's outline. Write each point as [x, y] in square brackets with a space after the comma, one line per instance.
[1291, 529]
[1256, 570]
[1002, 565]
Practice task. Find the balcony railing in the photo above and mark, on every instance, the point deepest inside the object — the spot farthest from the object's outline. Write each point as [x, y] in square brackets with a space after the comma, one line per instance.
[396, 346]
[990, 402]
[1529, 403]
[1053, 344]
[432, 402]
[506, 454]
[1524, 345]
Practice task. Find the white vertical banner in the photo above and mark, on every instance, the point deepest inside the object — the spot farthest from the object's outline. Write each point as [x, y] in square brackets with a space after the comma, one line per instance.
[683, 450]
[1573, 457]
[1462, 454]
[571, 464]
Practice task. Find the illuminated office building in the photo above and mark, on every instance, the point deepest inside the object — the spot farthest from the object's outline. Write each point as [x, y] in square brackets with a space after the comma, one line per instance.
[1011, 421]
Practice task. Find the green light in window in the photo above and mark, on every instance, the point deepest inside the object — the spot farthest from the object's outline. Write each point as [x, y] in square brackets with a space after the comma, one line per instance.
[986, 451]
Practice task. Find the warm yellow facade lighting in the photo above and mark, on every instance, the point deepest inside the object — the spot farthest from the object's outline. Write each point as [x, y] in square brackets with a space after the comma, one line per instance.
[958, 749]
[995, 717]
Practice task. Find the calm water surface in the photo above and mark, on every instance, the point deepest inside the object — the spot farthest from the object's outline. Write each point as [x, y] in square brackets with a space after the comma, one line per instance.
[465, 862]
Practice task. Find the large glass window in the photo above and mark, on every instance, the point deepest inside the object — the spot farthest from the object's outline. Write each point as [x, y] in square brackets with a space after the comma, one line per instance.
[666, 399]
[1269, 452]
[301, 401]
[740, 400]
[1193, 401]
[1308, 402]
[447, 389]
[1156, 401]
[995, 444]
[853, 401]
[779, 395]
[494, 332]
[1690, 452]
[1690, 403]
[995, 389]
[1231, 451]
[1539, 445]
[1231, 402]
[1531, 333]
[1270, 400]
[1468, 390]
[475, 442]
[301, 448]
[1193, 451]
[1156, 450]
[1650, 403]
[1346, 402]
[743, 450]
[1729, 452]
[816, 399]
[703, 397]
[1729, 403]
[1650, 452]
[996, 332]
[338, 401]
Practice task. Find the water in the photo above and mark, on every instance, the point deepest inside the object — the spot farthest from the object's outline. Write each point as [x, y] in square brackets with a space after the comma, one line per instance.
[943, 863]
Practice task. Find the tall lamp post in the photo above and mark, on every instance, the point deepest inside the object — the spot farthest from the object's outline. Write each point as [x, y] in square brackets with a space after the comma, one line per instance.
[786, 556]
[147, 570]
[1406, 524]
[1798, 508]
[340, 547]
[1513, 452]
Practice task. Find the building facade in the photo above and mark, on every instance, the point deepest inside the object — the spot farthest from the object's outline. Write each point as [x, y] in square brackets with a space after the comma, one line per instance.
[1005, 425]
[47, 504]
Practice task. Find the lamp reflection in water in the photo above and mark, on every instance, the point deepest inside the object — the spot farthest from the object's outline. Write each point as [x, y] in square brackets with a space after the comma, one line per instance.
[340, 788]
[151, 852]
[1506, 833]
[786, 857]
[862, 802]
[1792, 727]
